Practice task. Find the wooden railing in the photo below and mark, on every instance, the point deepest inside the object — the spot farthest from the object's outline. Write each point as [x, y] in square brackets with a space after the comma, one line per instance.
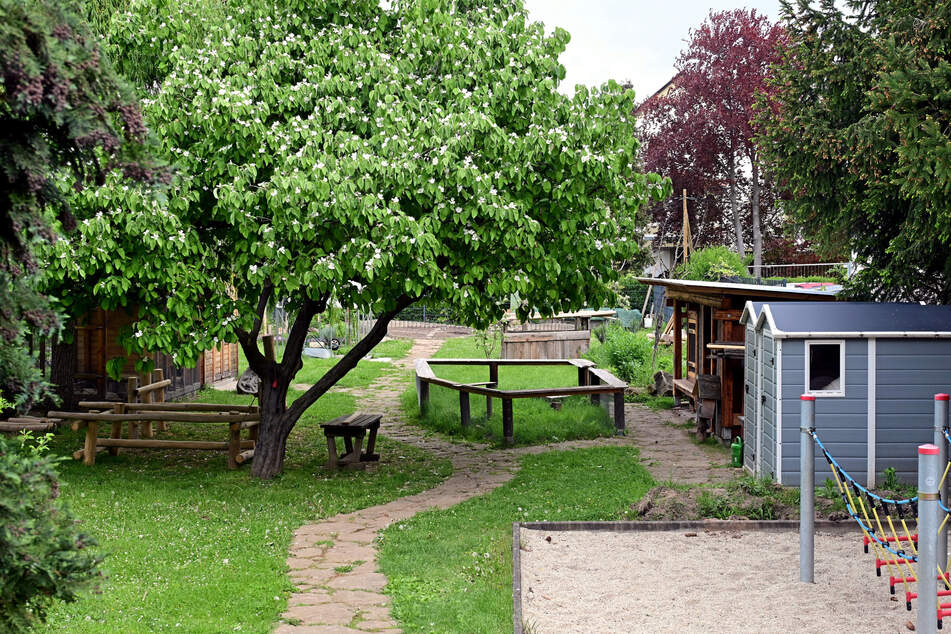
[592, 381]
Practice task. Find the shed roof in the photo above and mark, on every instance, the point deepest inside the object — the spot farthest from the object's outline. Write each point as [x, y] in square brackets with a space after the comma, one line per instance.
[740, 290]
[849, 319]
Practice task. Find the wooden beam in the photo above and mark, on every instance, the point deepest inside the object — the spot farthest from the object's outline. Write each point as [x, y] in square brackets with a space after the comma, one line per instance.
[151, 387]
[146, 443]
[171, 417]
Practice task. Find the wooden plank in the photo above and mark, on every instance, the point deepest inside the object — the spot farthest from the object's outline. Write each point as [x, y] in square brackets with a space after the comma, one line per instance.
[725, 346]
[423, 369]
[718, 302]
[490, 362]
[191, 407]
[147, 443]
[581, 363]
[733, 314]
[607, 378]
[678, 343]
[171, 417]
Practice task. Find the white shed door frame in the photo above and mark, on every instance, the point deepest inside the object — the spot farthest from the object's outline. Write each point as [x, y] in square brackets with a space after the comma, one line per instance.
[779, 411]
[759, 403]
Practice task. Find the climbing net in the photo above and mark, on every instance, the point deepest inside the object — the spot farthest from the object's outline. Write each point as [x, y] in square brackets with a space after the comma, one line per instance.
[885, 526]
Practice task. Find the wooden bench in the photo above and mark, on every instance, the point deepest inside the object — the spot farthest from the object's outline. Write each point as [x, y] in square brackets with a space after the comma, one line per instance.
[352, 428]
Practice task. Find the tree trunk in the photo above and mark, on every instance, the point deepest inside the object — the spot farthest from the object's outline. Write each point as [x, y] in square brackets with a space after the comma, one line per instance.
[63, 368]
[757, 230]
[737, 220]
[273, 431]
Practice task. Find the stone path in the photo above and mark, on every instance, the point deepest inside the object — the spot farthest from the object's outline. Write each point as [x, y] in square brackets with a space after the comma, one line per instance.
[333, 562]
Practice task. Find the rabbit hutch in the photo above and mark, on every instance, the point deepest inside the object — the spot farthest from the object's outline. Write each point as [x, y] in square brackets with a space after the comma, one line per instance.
[709, 346]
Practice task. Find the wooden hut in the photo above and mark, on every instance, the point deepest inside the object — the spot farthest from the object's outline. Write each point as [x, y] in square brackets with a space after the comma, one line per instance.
[874, 370]
[97, 341]
[709, 361]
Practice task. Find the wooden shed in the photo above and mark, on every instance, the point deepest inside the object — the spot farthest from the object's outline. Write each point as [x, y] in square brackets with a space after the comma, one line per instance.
[97, 341]
[873, 368]
[712, 353]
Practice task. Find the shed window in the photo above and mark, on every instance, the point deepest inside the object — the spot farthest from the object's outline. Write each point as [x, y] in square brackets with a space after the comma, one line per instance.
[825, 368]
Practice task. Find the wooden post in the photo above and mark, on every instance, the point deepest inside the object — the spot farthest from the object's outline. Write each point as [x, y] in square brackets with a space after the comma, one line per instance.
[132, 384]
[159, 375]
[508, 428]
[678, 348]
[89, 448]
[593, 380]
[118, 408]
[234, 444]
[619, 412]
[147, 430]
[582, 376]
[464, 408]
[494, 379]
[423, 390]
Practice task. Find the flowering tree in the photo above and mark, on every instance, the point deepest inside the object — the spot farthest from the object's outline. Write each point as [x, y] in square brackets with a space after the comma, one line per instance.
[859, 140]
[700, 132]
[65, 120]
[370, 156]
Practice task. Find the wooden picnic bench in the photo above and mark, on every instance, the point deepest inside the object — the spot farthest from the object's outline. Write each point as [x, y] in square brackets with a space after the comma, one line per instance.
[353, 429]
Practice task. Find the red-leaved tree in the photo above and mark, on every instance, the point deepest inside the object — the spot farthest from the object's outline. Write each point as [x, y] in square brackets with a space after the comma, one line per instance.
[699, 132]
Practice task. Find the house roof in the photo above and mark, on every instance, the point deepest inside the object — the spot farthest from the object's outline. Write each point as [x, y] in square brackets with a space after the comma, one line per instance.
[751, 291]
[804, 320]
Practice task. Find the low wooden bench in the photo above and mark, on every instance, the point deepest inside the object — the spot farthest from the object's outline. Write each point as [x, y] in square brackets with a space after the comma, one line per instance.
[352, 428]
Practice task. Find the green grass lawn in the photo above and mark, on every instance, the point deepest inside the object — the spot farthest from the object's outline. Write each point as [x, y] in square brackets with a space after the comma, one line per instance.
[193, 547]
[365, 373]
[451, 570]
[535, 422]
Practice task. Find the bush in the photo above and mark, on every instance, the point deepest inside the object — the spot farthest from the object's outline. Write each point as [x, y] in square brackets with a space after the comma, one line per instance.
[711, 264]
[627, 353]
[43, 555]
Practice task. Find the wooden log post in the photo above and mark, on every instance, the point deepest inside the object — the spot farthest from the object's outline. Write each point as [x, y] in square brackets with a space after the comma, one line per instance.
[234, 444]
[118, 408]
[422, 390]
[494, 380]
[464, 408]
[619, 412]
[147, 430]
[159, 375]
[89, 447]
[594, 380]
[132, 385]
[678, 349]
[508, 427]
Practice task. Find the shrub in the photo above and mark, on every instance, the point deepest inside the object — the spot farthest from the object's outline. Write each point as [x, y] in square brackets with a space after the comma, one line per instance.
[628, 353]
[43, 555]
[711, 264]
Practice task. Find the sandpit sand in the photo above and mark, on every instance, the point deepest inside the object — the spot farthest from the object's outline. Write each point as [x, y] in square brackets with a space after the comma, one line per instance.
[718, 581]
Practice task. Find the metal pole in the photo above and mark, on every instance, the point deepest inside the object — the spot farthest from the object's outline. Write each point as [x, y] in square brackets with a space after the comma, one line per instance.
[929, 473]
[807, 489]
[940, 424]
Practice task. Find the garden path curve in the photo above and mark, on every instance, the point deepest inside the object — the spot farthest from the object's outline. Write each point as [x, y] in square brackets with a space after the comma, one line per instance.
[333, 562]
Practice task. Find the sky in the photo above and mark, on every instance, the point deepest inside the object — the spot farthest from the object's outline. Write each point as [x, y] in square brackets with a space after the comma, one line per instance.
[629, 39]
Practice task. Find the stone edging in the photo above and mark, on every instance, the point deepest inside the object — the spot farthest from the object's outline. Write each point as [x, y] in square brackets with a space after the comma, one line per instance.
[619, 527]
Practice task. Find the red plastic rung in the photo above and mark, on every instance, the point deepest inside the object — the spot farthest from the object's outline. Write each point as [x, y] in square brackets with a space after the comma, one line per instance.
[901, 538]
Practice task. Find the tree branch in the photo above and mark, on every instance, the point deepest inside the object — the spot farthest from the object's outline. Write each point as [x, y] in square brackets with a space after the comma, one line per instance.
[249, 340]
[291, 363]
[349, 360]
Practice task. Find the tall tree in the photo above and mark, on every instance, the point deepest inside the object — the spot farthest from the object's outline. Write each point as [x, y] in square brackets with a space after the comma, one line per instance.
[700, 132]
[372, 156]
[857, 134]
[65, 120]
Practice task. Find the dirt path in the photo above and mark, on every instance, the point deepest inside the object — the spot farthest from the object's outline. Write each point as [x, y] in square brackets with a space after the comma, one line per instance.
[333, 562]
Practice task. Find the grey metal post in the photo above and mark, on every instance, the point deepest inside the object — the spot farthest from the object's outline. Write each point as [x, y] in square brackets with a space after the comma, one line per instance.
[929, 474]
[807, 489]
[940, 424]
